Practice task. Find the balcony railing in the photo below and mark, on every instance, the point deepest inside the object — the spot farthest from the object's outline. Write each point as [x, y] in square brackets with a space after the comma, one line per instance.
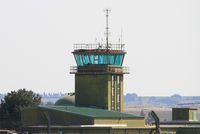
[98, 46]
[99, 69]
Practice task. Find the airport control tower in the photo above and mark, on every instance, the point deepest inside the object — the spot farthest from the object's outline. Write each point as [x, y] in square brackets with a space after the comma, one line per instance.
[99, 74]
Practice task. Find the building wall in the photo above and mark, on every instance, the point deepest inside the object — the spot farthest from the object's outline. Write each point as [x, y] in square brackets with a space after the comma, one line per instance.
[184, 114]
[113, 130]
[96, 90]
[102, 130]
[180, 114]
[130, 131]
[128, 122]
[78, 131]
[29, 116]
[188, 131]
[91, 90]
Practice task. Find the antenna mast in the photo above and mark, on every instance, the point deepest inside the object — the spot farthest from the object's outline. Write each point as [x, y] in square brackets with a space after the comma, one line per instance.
[107, 14]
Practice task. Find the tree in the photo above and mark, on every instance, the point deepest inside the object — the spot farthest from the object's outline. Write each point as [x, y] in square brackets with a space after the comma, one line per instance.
[15, 101]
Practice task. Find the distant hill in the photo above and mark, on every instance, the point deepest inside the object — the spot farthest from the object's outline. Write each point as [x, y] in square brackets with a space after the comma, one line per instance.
[133, 98]
[168, 101]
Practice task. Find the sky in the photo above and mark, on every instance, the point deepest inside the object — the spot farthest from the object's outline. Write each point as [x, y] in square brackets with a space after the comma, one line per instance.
[162, 40]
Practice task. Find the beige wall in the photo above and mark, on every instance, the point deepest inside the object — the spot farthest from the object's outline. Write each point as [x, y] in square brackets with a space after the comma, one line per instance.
[128, 122]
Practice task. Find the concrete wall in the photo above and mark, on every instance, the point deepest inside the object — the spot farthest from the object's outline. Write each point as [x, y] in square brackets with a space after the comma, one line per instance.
[91, 90]
[95, 90]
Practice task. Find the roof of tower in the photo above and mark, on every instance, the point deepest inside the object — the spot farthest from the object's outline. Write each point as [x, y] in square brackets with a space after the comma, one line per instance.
[99, 49]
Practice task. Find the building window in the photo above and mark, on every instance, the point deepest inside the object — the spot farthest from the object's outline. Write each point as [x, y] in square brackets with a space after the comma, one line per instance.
[112, 93]
[118, 93]
[194, 116]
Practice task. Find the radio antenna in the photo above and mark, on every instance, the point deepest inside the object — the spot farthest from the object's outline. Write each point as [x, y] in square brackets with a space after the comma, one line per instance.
[107, 32]
[121, 35]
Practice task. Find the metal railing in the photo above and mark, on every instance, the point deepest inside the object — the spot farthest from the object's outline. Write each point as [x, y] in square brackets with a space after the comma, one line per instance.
[98, 46]
[99, 69]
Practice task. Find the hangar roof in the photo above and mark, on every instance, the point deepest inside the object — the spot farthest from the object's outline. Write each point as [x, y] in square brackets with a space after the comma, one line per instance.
[90, 112]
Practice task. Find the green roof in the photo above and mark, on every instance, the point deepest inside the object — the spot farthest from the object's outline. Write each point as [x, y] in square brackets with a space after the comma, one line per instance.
[90, 112]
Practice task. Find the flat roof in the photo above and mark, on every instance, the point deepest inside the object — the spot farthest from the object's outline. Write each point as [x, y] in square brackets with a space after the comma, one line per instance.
[91, 112]
[186, 108]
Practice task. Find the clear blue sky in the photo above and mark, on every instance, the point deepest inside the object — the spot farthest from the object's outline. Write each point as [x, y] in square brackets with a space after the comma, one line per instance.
[162, 40]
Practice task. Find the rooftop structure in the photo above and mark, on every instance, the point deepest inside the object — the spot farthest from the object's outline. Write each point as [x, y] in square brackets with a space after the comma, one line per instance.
[184, 114]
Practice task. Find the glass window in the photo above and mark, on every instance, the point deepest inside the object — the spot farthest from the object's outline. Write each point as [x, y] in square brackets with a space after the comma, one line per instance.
[85, 59]
[101, 59]
[194, 115]
[95, 59]
[118, 59]
[112, 93]
[111, 59]
[118, 93]
[91, 59]
[78, 59]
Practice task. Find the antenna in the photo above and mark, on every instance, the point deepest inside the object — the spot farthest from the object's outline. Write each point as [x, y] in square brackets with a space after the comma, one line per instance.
[121, 35]
[107, 13]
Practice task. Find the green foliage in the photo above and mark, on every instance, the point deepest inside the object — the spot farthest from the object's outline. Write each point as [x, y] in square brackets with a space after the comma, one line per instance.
[16, 100]
[13, 103]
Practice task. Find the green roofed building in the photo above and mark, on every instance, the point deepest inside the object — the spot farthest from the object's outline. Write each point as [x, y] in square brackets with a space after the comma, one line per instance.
[72, 115]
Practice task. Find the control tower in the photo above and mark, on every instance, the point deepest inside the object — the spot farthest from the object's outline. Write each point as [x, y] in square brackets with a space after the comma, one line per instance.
[99, 75]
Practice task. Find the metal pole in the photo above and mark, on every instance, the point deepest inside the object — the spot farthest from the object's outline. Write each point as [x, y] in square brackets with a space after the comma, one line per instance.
[157, 122]
[46, 115]
[107, 11]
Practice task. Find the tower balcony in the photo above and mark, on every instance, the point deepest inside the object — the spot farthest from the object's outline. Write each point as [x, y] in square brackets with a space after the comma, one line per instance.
[99, 69]
[98, 46]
